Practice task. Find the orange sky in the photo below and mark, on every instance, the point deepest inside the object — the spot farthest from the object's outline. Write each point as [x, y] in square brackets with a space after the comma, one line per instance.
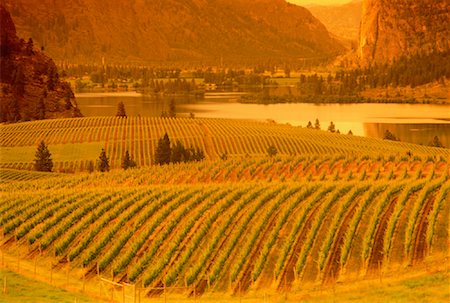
[319, 2]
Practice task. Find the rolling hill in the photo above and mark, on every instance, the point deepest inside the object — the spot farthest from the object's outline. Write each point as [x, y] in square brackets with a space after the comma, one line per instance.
[75, 142]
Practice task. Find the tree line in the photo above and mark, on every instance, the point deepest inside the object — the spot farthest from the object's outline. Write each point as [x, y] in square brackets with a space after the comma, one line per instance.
[165, 153]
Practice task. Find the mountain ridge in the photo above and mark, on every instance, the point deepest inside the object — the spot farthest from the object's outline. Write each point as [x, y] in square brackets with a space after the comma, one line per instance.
[173, 30]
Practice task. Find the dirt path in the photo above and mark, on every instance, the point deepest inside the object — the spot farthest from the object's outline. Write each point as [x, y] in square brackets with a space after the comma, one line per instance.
[377, 252]
[420, 243]
[333, 266]
[287, 276]
[244, 283]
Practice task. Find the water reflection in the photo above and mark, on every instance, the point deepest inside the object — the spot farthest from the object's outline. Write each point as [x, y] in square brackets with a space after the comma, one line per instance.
[417, 123]
[414, 133]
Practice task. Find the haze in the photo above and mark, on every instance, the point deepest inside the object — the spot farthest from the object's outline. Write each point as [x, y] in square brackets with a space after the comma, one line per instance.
[318, 2]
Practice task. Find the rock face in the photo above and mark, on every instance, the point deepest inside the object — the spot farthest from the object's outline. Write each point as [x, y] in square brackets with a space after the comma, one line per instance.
[29, 84]
[390, 29]
[341, 20]
[138, 31]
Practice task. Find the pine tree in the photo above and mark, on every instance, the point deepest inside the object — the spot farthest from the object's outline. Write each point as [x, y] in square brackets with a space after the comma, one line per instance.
[172, 112]
[179, 153]
[40, 109]
[43, 160]
[103, 162]
[317, 124]
[309, 125]
[127, 162]
[121, 110]
[163, 151]
[332, 127]
[436, 142]
[272, 150]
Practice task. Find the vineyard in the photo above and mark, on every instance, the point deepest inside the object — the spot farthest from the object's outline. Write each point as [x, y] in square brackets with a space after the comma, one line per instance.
[74, 142]
[278, 224]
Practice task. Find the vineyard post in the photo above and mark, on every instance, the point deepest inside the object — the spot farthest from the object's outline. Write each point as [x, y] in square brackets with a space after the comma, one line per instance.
[123, 293]
[380, 271]
[68, 272]
[84, 282]
[239, 286]
[35, 263]
[164, 286]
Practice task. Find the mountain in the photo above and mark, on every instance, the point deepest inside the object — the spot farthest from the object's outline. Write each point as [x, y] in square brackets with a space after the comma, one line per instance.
[341, 20]
[30, 87]
[390, 29]
[173, 30]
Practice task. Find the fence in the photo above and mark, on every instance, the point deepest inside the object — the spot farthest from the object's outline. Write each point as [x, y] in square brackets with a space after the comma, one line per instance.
[65, 276]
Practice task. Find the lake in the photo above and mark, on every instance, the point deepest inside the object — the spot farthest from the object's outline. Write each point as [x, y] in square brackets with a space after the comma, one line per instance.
[416, 123]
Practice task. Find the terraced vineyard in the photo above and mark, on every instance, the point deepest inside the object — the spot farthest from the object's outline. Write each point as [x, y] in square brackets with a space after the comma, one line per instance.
[235, 234]
[73, 142]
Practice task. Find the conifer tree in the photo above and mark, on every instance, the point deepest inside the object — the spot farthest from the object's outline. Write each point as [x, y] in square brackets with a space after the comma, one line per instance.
[272, 150]
[121, 110]
[43, 160]
[103, 162]
[127, 162]
[317, 124]
[332, 127]
[172, 110]
[163, 151]
[436, 142]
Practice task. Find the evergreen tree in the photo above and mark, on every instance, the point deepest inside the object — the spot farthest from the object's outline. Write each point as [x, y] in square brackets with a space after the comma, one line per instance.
[317, 124]
[29, 47]
[436, 142]
[163, 151]
[127, 162]
[309, 125]
[272, 150]
[172, 113]
[389, 136]
[103, 162]
[121, 110]
[179, 153]
[332, 127]
[43, 160]
[40, 109]
[198, 155]
[350, 132]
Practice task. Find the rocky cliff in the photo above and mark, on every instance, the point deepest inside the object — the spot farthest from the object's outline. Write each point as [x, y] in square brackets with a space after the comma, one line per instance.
[390, 29]
[30, 88]
[138, 31]
[341, 20]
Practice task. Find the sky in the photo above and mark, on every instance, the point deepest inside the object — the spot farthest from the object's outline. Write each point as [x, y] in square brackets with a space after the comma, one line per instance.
[319, 2]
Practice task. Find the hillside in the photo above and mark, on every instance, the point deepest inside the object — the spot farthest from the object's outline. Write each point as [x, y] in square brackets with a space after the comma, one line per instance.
[228, 239]
[30, 85]
[342, 20]
[391, 29]
[75, 142]
[173, 30]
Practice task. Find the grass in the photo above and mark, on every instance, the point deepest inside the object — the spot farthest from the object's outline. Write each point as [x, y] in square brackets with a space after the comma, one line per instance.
[434, 287]
[22, 289]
